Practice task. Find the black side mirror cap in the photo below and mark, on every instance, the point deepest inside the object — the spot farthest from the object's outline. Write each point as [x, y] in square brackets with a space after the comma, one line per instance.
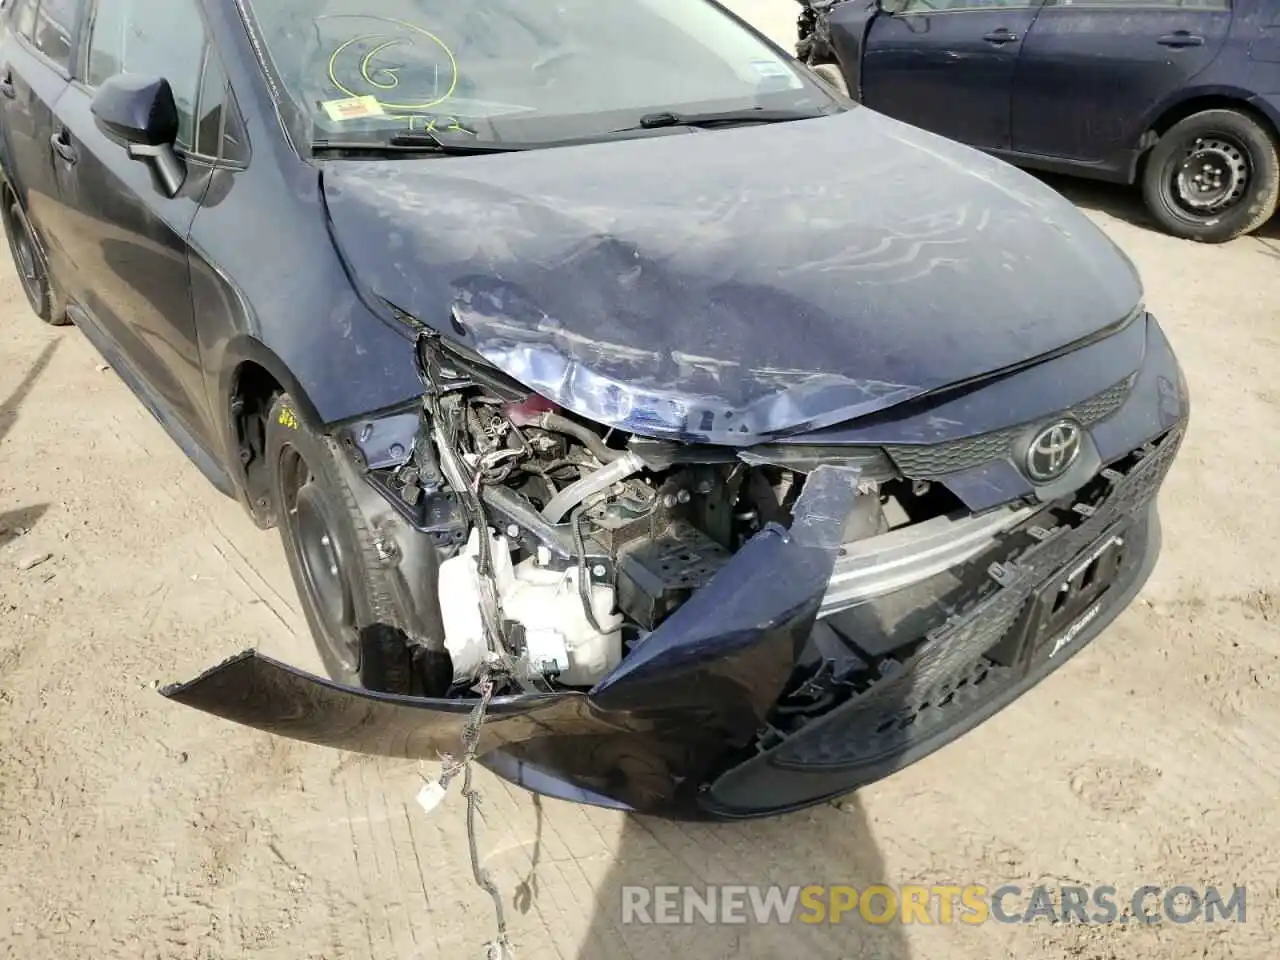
[137, 109]
[142, 112]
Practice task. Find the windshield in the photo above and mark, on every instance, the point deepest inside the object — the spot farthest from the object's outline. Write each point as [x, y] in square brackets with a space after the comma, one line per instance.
[518, 70]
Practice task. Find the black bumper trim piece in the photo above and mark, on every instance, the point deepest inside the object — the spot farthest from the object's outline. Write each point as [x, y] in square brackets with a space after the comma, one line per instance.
[952, 683]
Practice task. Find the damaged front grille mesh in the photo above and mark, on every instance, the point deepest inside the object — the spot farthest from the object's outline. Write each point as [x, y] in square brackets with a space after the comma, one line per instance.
[940, 685]
[920, 699]
[941, 459]
[960, 690]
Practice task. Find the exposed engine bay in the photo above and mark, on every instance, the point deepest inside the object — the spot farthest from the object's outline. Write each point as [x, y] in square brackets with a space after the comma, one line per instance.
[814, 33]
[571, 543]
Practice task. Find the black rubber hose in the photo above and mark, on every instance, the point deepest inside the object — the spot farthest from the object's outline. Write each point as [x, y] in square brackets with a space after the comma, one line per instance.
[584, 575]
[516, 509]
[590, 439]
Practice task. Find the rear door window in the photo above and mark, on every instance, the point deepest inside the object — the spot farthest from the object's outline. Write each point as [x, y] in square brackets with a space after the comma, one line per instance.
[55, 29]
[24, 18]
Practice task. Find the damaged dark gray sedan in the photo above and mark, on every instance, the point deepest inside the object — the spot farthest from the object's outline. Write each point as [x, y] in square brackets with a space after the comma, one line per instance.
[641, 417]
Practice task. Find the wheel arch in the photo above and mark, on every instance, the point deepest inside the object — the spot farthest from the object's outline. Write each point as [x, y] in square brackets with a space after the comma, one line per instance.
[8, 191]
[1193, 102]
[10, 199]
[251, 378]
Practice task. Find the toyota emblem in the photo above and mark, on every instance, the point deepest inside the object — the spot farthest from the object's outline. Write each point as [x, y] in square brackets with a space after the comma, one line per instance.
[1053, 450]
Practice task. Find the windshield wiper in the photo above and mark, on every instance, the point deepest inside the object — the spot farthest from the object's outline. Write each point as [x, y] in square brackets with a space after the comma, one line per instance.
[671, 118]
[417, 142]
[426, 141]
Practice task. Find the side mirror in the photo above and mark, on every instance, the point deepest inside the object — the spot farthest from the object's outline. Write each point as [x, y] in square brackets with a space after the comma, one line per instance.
[141, 111]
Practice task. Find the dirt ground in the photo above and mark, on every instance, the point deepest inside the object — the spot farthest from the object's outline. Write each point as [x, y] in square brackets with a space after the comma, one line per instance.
[133, 828]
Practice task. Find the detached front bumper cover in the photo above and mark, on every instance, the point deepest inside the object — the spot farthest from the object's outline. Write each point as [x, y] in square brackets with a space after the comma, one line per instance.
[682, 726]
[644, 738]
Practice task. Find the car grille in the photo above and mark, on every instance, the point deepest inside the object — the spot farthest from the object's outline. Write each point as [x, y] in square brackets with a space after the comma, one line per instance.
[940, 684]
[940, 459]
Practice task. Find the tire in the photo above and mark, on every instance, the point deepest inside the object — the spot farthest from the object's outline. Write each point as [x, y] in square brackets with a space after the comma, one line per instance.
[1235, 155]
[29, 262]
[347, 592]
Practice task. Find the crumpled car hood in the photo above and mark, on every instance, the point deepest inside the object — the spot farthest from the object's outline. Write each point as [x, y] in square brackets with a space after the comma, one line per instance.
[735, 285]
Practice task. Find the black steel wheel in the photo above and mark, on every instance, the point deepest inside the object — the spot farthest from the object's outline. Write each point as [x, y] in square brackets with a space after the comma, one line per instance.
[29, 262]
[323, 566]
[1213, 176]
[345, 589]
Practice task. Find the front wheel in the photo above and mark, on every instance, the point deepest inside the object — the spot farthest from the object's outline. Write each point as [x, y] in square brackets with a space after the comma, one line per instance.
[345, 588]
[1213, 177]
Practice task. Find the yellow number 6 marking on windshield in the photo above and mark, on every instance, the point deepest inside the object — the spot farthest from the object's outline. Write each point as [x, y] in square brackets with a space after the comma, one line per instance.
[365, 65]
[391, 72]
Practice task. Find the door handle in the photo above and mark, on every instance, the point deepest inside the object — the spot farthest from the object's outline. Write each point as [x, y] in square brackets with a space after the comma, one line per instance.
[61, 144]
[999, 37]
[1181, 38]
[6, 84]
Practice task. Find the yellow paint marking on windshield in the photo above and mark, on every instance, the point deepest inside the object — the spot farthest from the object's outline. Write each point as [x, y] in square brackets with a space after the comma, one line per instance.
[367, 68]
[432, 124]
[389, 71]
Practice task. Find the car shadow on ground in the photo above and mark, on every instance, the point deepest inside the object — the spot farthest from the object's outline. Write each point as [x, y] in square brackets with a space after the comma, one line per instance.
[831, 845]
[16, 523]
[10, 406]
[1125, 203]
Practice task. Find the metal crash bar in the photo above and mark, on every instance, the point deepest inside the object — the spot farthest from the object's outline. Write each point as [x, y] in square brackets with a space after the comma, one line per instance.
[878, 565]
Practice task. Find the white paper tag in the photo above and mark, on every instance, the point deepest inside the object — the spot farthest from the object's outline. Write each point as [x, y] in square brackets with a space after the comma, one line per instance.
[770, 68]
[430, 795]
